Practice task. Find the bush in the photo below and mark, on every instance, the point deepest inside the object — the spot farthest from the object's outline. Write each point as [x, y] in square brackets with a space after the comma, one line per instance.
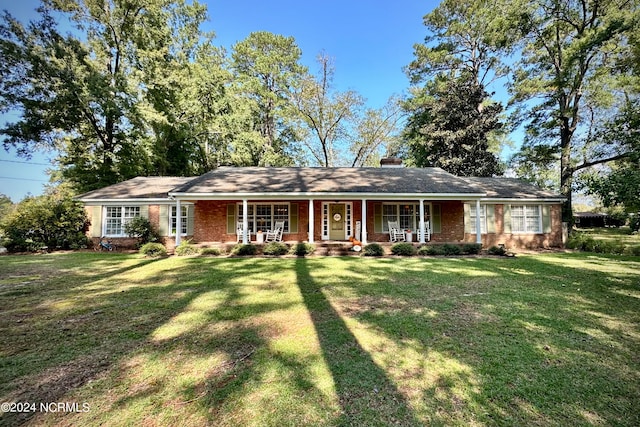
[186, 248]
[211, 251]
[471, 248]
[497, 250]
[373, 249]
[54, 220]
[275, 248]
[431, 250]
[634, 222]
[405, 249]
[632, 250]
[450, 249]
[242, 249]
[141, 228]
[302, 249]
[153, 250]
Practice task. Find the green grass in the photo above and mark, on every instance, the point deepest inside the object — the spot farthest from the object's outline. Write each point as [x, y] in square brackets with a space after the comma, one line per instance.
[621, 235]
[550, 339]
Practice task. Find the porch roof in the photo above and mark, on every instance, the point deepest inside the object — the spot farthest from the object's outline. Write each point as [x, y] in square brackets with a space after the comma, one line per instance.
[511, 188]
[141, 187]
[327, 182]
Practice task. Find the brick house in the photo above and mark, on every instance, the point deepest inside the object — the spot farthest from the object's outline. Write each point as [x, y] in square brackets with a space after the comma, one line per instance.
[331, 204]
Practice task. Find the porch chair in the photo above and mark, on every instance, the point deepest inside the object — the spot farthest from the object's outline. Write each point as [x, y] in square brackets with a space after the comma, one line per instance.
[275, 235]
[427, 232]
[395, 233]
[239, 232]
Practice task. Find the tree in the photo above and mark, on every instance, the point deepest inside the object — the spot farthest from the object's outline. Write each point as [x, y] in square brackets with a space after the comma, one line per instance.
[94, 98]
[5, 205]
[449, 128]
[567, 80]
[268, 71]
[54, 220]
[326, 113]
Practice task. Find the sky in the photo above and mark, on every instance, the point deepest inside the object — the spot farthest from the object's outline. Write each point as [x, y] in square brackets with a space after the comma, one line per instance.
[370, 42]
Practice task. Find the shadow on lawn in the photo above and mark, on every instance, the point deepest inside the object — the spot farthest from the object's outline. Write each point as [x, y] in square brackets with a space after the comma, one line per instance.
[544, 342]
[365, 393]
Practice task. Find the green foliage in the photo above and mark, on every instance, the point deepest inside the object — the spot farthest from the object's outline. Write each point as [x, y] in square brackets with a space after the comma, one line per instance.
[53, 220]
[404, 249]
[471, 248]
[5, 205]
[153, 250]
[142, 229]
[497, 250]
[185, 248]
[242, 250]
[302, 249]
[211, 251]
[275, 248]
[634, 222]
[449, 127]
[586, 243]
[431, 250]
[373, 249]
[451, 249]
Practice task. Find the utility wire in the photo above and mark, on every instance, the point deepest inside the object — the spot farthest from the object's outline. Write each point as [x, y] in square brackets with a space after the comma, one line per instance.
[28, 163]
[23, 179]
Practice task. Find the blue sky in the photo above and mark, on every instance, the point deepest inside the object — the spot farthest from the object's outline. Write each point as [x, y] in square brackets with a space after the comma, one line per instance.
[370, 41]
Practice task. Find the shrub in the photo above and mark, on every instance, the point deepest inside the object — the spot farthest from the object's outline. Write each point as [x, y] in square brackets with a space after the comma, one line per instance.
[186, 248]
[634, 222]
[53, 220]
[141, 228]
[450, 249]
[581, 242]
[275, 248]
[431, 250]
[497, 250]
[471, 248]
[302, 249]
[405, 249]
[373, 249]
[153, 250]
[242, 249]
[211, 251]
[632, 250]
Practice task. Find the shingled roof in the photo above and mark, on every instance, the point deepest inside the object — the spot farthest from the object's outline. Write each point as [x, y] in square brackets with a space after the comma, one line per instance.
[152, 187]
[510, 188]
[261, 180]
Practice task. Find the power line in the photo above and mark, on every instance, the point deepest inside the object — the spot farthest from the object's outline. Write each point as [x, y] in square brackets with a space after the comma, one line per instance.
[23, 179]
[28, 163]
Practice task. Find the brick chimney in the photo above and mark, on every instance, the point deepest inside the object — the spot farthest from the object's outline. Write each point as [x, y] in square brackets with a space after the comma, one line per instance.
[390, 162]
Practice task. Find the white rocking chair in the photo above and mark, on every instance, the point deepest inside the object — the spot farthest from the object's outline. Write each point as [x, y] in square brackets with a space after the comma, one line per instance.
[395, 233]
[427, 232]
[275, 235]
[239, 232]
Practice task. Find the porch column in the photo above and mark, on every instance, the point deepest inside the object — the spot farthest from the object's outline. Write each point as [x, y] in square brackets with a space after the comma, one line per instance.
[478, 230]
[178, 222]
[422, 230]
[363, 223]
[311, 222]
[245, 221]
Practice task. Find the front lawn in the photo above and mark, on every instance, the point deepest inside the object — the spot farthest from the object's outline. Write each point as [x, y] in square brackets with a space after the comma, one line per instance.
[549, 339]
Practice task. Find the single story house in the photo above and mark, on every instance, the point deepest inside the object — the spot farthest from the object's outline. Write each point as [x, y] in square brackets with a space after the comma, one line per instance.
[331, 204]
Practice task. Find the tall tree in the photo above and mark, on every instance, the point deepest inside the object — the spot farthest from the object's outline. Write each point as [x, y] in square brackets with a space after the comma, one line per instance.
[326, 113]
[82, 96]
[566, 79]
[268, 71]
[449, 129]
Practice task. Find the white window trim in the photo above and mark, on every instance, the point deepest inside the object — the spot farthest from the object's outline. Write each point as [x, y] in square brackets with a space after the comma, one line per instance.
[325, 219]
[428, 215]
[272, 204]
[540, 226]
[122, 210]
[483, 219]
[183, 223]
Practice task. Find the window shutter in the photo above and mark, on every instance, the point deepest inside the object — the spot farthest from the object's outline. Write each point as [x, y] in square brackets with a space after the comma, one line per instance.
[377, 218]
[507, 219]
[546, 219]
[293, 217]
[190, 224]
[437, 219]
[467, 218]
[144, 211]
[163, 226]
[491, 218]
[231, 218]
[96, 221]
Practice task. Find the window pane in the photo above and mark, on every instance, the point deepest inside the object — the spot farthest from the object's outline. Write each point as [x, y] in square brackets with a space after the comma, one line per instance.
[183, 219]
[263, 218]
[113, 223]
[407, 215]
[281, 213]
[389, 213]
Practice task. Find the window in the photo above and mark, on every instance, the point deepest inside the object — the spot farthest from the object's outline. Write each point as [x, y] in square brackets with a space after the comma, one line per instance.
[116, 217]
[483, 219]
[263, 217]
[407, 215]
[526, 219]
[173, 220]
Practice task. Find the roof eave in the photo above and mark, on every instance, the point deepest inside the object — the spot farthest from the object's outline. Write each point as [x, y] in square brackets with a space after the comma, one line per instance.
[321, 195]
